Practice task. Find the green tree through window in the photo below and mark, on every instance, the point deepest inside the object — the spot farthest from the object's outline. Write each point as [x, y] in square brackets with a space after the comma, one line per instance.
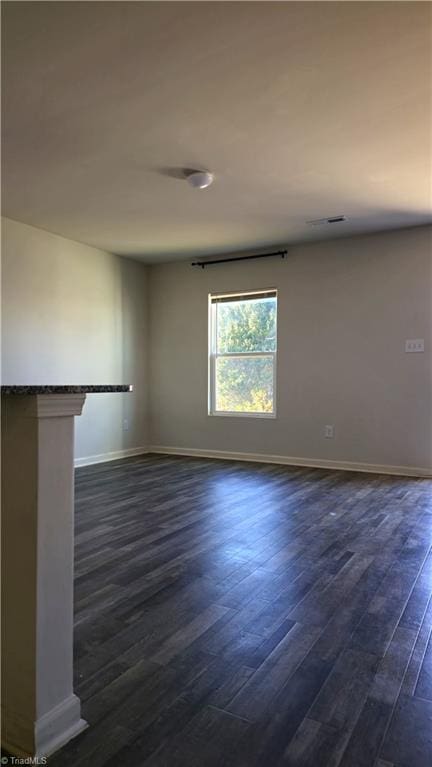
[243, 359]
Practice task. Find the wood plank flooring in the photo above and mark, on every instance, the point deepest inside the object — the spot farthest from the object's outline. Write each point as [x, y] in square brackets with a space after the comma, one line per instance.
[247, 615]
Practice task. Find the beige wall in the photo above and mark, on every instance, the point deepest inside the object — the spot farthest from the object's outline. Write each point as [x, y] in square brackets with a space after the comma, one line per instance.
[345, 310]
[74, 314]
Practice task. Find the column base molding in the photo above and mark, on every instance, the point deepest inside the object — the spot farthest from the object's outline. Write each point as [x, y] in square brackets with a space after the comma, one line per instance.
[49, 733]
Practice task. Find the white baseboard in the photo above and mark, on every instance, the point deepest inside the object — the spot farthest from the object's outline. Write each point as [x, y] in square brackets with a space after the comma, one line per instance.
[115, 456]
[27, 738]
[317, 463]
[59, 726]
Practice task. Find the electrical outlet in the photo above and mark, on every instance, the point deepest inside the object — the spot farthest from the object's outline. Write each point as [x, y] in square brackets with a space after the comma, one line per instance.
[125, 425]
[329, 431]
[414, 345]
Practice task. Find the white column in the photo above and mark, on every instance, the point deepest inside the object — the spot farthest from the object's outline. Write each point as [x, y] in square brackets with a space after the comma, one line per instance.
[40, 712]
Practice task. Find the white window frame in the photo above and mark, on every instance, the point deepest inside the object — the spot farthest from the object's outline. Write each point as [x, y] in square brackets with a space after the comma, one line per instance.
[213, 355]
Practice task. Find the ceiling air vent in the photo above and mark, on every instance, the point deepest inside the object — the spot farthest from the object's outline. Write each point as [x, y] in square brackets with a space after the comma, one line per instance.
[331, 220]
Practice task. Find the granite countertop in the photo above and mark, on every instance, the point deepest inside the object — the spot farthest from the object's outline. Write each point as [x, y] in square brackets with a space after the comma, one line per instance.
[67, 389]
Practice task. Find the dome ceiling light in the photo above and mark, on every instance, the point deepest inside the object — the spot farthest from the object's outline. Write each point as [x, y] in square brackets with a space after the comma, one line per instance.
[199, 179]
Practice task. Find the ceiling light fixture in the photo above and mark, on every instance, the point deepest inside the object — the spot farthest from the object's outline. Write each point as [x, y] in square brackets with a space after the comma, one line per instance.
[200, 179]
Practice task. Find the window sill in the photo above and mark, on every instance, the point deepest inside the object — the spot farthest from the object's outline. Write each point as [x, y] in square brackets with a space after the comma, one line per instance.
[242, 415]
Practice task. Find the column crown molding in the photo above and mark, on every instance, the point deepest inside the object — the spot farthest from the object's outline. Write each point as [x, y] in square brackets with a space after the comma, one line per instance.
[51, 405]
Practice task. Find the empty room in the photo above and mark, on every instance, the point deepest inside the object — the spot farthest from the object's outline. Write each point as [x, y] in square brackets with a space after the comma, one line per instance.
[216, 411]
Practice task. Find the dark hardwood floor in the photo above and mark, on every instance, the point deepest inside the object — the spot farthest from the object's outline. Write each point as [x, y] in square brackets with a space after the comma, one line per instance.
[252, 616]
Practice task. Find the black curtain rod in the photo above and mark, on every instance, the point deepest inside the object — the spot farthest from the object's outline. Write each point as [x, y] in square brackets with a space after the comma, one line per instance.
[202, 264]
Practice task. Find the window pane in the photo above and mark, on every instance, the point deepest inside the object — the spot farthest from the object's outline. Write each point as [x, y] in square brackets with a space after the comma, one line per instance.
[244, 384]
[246, 326]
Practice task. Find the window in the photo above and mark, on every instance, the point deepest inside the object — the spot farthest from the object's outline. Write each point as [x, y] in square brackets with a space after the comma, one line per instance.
[242, 354]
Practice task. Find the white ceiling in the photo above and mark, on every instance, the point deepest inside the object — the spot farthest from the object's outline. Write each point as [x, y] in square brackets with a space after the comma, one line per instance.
[302, 111]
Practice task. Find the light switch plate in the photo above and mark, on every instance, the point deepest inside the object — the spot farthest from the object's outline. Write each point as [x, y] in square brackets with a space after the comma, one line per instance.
[414, 345]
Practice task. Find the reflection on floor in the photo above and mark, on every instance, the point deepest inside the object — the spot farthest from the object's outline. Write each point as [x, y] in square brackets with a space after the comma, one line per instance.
[251, 615]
